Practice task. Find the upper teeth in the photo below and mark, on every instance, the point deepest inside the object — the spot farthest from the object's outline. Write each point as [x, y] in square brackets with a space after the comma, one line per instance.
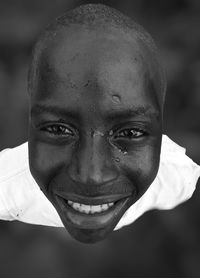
[88, 208]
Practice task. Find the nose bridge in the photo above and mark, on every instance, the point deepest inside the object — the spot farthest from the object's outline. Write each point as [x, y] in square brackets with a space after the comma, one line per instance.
[93, 162]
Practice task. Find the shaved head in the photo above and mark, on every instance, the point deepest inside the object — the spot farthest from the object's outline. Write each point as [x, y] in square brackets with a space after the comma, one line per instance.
[99, 18]
[97, 93]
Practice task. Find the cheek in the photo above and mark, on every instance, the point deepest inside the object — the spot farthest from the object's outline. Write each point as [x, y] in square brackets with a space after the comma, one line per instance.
[141, 166]
[46, 161]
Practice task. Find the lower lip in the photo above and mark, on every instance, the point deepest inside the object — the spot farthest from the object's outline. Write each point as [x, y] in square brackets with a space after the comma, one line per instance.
[92, 221]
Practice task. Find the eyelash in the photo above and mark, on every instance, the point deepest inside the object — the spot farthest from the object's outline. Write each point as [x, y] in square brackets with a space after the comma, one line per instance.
[57, 130]
[126, 133]
[130, 133]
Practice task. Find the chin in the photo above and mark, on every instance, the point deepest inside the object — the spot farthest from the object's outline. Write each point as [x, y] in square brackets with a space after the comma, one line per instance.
[89, 236]
[92, 228]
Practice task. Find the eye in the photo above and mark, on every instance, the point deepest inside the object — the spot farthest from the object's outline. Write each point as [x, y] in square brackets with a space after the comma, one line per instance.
[58, 130]
[130, 133]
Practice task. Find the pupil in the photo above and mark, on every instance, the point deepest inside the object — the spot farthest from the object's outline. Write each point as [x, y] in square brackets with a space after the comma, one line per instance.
[58, 129]
[130, 132]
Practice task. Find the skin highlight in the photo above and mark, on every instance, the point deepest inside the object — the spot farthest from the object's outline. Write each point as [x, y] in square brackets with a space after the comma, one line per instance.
[95, 126]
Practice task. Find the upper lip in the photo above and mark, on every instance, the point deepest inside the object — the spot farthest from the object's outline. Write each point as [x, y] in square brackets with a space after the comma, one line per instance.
[96, 200]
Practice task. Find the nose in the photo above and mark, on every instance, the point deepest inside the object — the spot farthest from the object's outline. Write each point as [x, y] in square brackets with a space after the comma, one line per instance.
[92, 162]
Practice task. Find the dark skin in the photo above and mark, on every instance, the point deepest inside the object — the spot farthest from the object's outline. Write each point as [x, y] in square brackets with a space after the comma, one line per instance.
[95, 127]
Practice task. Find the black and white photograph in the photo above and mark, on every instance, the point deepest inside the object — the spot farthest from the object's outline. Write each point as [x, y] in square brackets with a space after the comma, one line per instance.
[99, 139]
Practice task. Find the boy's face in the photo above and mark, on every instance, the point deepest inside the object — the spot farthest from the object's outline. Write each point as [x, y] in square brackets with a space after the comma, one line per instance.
[95, 130]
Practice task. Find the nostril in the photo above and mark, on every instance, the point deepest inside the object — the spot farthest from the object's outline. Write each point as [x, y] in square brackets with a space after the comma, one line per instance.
[100, 176]
[93, 174]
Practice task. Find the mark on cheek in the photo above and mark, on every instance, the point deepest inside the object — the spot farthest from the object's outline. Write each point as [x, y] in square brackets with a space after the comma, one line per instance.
[116, 98]
[87, 83]
[72, 84]
[122, 150]
[111, 133]
[117, 159]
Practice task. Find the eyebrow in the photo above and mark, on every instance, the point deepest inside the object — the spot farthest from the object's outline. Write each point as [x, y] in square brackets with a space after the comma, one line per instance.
[111, 115]
[133, 112]
[54, 110]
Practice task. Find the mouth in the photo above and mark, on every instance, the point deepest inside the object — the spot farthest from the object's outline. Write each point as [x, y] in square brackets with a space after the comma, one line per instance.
[89, 209]
[92, 212]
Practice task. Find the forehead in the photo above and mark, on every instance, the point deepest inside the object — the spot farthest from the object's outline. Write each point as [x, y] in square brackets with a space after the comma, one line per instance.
[97, 67]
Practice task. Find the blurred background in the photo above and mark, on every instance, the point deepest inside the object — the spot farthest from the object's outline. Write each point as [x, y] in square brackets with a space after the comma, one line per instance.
[159, 244]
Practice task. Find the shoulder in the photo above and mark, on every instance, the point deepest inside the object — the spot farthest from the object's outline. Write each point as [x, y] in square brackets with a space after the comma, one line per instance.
[177, 176]
[16, 181]
[174, 184]
[175, 155]
[20, 196]
[13, 161]
[13, 180]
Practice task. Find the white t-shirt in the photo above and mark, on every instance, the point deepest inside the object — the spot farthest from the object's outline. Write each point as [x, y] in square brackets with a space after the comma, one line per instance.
[21, 199]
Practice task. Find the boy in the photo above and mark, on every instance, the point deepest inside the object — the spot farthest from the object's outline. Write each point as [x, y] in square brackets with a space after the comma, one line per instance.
[97, 91]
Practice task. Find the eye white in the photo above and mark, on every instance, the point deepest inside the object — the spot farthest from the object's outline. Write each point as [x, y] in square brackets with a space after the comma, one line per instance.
[58, 130]
[130, 133]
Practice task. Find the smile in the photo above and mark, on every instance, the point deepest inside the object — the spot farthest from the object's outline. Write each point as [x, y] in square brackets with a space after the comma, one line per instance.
[92, 213]
[89, 209]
